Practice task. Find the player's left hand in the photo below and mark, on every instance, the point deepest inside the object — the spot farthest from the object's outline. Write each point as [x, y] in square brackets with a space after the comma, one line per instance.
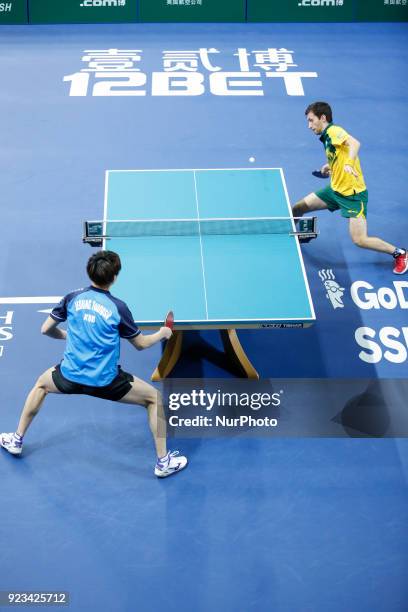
[350, 170]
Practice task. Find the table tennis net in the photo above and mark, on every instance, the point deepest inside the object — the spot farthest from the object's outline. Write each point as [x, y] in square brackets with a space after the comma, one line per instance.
[95, 230]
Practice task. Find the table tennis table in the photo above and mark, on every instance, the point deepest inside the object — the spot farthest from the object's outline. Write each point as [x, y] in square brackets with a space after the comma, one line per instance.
[224, 281]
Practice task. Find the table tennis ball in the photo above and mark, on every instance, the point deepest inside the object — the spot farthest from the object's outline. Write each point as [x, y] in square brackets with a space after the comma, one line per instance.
[252, 159]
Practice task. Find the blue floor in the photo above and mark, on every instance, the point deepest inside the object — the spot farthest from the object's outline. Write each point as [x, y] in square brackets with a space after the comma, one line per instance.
[253, 524]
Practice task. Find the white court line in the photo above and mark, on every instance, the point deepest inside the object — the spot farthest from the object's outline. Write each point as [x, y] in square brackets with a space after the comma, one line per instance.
[190, 169]
[201, 246]
[302, 264]
[53, 299]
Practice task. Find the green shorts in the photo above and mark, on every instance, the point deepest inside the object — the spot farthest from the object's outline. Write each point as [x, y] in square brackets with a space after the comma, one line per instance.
[350, 206]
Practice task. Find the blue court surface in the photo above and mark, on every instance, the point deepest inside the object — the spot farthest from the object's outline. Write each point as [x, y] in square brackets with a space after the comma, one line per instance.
[300, 524]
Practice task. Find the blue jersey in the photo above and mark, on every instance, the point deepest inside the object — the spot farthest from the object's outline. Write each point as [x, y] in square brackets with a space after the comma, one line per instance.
[96, 322]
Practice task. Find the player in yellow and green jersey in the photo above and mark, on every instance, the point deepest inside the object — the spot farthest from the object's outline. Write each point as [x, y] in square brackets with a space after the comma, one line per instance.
[347, 191]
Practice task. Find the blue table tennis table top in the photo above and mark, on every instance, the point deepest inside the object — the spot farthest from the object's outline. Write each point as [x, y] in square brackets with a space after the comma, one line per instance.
[209, 281]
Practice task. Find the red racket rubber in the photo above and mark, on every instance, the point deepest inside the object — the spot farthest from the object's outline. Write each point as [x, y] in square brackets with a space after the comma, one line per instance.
[169, 320]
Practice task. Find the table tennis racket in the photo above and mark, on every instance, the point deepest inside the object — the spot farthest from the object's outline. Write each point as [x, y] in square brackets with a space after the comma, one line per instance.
[169, 320]
[320, 175]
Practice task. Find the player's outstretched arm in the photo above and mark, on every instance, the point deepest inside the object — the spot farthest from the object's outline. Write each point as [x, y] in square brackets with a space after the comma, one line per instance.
[50, 328]
[143, 342]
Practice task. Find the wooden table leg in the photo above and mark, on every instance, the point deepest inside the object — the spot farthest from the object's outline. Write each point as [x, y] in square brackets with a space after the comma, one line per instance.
[234, 350]
[170, 356]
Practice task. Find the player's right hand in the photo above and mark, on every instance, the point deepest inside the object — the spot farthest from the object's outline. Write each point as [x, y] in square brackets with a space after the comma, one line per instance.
[325, 170]
[166, 333]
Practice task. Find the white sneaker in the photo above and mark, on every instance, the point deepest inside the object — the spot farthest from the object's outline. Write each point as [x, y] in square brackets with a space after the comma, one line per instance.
[11, 443]
[170, 464]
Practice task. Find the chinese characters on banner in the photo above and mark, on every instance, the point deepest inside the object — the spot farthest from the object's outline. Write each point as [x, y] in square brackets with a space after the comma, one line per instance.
[184, 2]
[119, 72]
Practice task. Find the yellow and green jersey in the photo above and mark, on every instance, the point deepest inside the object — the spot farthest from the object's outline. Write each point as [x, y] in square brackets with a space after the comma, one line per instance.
[338, 155]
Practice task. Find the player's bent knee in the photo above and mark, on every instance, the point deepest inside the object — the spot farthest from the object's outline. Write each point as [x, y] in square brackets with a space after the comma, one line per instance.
[299, 207]
[359, 241]
[148, 392]
[153, 396]
[301, 203]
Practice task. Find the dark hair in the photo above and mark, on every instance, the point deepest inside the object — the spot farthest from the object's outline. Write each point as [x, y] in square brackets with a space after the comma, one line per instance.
[102, 267]
[319, 109]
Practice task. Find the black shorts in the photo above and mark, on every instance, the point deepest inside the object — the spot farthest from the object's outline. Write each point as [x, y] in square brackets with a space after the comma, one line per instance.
[117, 389]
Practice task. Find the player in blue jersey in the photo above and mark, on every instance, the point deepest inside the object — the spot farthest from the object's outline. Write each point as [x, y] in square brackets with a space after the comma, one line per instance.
[96, 320]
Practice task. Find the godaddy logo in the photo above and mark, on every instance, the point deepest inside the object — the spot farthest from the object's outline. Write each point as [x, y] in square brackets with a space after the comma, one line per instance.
[320, 3]
[103, 3]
